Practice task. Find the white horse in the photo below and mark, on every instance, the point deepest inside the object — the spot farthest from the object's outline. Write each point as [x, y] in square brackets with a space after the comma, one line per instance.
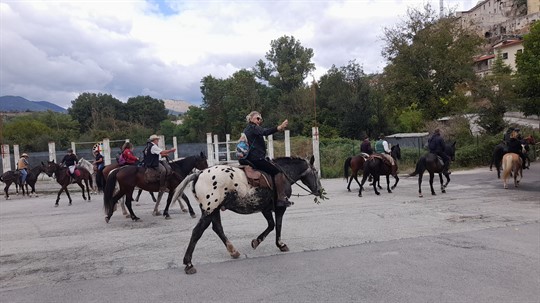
[90, 167]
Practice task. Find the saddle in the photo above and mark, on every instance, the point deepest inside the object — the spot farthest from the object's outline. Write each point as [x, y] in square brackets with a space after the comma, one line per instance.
[76, 172]
[151, 175]
[386, 161]
[256, 178]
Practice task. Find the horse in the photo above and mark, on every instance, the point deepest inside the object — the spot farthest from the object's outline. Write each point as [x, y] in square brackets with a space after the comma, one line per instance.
[96, 177]
[376, 166]
[11, 176]
[496, 158]
[105, 173]
[355, 163]
[512, 164]
[64, 179]
[433, 164]
[223, 187]
[131, 176]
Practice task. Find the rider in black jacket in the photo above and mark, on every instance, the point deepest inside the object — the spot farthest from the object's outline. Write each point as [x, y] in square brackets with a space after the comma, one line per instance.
[437, 146]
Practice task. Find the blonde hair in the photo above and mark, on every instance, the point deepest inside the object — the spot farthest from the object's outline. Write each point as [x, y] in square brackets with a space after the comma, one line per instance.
[127, 145]
[250, 115]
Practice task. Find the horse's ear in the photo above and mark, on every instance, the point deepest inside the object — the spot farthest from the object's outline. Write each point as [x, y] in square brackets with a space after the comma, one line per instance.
[312, 160]
[202, 155]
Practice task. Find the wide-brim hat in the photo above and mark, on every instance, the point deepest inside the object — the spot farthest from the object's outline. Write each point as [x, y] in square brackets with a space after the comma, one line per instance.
[24, 155]
[153, 137]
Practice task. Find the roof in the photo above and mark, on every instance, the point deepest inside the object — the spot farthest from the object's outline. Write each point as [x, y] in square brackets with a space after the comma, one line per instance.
[407, 135]
[483, 58]
[506, 43]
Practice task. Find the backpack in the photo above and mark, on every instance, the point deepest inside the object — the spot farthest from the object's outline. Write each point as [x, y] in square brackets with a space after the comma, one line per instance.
[121, 159]
[242, 150]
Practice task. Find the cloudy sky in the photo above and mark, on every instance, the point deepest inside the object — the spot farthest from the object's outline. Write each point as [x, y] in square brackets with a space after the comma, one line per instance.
[56, 50]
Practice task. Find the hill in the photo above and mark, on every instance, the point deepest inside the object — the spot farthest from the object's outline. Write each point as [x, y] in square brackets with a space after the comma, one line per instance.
[176, 107]
[20, 104]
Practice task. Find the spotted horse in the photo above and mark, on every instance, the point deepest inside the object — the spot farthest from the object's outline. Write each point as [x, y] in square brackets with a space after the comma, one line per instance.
[223, 187]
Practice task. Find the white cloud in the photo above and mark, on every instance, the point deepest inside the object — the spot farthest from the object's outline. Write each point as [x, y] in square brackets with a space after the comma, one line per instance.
[55, 50]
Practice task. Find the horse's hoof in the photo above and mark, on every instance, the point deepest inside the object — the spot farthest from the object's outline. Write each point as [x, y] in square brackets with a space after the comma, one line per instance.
[348, 190]
[377, 193]
[359, 195]
[235, 254]
[189, 269]
[193, 215]
[284, 247]
[184, 210]
[433, 194]
[107, 219]
[389, 191]
[127, 215]
[167, 217]
[255, 243]
[69, 204]
[56, 205]
[443, 191]
[136, 219]
[420, 196]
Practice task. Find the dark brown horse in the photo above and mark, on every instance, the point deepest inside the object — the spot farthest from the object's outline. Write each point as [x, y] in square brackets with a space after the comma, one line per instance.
[64, 179]
[355, 163]
[433, 165]
[376, 166]
[131, 176]
[13, 176]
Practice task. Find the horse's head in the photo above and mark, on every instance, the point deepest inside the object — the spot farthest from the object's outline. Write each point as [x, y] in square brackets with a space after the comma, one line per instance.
[49, 168]
[450, 150]
[396, 152]
[310, 177]
[201, 162]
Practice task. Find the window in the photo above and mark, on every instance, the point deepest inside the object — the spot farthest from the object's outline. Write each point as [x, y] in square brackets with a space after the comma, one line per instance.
[519, 51]
[505, 56]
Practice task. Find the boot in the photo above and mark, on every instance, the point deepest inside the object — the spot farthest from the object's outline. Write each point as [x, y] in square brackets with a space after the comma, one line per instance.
[283, 190]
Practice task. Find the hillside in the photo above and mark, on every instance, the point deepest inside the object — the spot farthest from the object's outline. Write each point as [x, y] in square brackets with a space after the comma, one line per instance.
[20, 104]
[176, 107]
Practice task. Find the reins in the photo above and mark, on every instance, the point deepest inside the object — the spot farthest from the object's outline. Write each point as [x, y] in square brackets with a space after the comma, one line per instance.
[296, 182]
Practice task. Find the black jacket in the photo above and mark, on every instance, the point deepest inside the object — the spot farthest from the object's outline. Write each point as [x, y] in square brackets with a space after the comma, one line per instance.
[436, 144]
[255, 135]
[514, 146]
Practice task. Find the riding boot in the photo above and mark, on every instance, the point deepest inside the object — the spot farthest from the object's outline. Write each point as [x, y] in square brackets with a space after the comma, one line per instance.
[446, 168]
[283, 190]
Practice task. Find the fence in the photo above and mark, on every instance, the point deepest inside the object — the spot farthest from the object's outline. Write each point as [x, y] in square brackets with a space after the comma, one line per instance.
[223, 152]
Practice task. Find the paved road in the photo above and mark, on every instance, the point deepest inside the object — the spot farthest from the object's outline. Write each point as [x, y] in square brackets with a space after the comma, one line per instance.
[476, 243]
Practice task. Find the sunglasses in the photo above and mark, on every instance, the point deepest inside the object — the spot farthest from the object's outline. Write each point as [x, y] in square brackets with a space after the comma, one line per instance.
[258, 118]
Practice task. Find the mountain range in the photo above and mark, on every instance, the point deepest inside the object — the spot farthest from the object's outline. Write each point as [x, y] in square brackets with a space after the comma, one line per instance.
[20, 104]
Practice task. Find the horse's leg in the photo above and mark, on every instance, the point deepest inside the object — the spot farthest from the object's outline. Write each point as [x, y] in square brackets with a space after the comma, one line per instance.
[166, 210]
[87, 189]
[350, 181]
[156, 211]
[397, 180]
[431, 177]
[153, 197]
[190, 209]
[271, 225]
[420, 176]
[196, 234]
[6, 188]
[129, 198]
[376, 180]
[80, 183]
[442, 184]
[217, 227]
[364, 177]
[388, 184]
[138, 195]
[279, 220]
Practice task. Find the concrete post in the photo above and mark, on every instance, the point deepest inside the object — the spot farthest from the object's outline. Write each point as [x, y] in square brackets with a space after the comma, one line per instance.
[52, 152]
[270, 146]
[107, 151]
[209, 149]
[216, 149]
[161, 142]
[16, 155]
[315, 138]
[175, 145]
[227, 141]
[6, 162]
[73, 147]
[287, 143]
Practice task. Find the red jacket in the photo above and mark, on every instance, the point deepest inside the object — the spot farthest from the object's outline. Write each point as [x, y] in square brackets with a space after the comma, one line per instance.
[129, 157]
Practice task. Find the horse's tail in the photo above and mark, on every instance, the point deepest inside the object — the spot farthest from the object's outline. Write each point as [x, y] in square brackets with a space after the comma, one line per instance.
[108, 191]
[346, 166]
[506, 166]
[419, 167]
[180, 188]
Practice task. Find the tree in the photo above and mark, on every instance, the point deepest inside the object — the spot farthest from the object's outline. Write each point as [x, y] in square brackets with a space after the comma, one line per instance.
[193, 127]
[528, 72]
[146, 111]
[288, 64]
[96, 111]
[428, 57]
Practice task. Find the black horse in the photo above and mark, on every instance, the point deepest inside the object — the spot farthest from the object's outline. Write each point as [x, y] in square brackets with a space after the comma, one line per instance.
[131, 176]
[376, 166]
[226, 187]
[496, 158]
[433, 164]
[13, 176]
[64, 179]
[355, 163]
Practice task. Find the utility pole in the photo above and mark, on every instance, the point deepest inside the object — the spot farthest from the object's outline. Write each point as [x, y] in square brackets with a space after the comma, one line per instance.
[440, 8]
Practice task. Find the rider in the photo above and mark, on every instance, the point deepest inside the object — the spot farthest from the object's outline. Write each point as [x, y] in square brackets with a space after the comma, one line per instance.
[436, 146]
[153, 159]
[514, 146]
[381, 147]
[255, 134]
[22, 166]
[365, 147]
[127, 154]
[70, 161]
